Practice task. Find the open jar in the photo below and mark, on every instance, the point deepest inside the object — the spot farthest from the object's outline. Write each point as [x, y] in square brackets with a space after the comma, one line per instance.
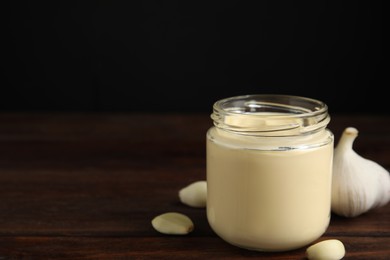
[269, 171]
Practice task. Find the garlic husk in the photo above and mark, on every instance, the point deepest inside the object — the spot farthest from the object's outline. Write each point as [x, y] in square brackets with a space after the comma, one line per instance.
[358, 184]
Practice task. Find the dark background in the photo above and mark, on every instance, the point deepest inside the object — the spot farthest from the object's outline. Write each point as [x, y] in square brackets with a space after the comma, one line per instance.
[181, 56]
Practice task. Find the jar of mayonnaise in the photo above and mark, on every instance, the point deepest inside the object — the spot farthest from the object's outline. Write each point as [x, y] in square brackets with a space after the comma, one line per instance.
[269, 171]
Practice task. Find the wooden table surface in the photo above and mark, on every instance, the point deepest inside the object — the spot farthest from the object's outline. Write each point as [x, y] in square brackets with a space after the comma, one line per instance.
[87, 185]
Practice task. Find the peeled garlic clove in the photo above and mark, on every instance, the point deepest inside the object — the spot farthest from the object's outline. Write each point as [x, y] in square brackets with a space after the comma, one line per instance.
[331, 249]
[173, 223]
[195, 194]
[358, 184]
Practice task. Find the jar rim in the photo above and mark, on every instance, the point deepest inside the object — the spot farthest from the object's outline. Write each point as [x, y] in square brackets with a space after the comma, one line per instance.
[270, 114]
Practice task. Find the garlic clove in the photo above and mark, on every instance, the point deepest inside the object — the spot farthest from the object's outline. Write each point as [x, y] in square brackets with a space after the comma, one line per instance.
[194, 194]
[358, 184]
[331, 249]
[173, 223]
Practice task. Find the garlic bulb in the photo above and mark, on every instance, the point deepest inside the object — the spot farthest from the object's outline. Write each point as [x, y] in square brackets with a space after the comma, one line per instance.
[358, 184]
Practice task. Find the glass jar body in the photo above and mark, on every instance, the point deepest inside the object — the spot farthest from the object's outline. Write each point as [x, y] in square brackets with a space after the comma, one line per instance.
[268, 192]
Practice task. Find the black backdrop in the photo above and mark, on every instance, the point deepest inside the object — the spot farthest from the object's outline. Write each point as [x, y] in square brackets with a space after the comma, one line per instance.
[181, 56]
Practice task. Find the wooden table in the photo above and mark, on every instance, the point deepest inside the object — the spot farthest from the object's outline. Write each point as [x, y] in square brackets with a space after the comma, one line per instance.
[86, 186]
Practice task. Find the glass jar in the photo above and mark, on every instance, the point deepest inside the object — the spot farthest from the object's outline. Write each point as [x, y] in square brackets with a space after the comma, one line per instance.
[269, 171]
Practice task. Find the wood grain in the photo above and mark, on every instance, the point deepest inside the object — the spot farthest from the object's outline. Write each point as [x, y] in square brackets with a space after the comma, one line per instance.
[86, 186]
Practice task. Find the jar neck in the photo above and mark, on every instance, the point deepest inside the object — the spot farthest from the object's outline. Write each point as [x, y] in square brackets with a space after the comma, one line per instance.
[270, 115]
